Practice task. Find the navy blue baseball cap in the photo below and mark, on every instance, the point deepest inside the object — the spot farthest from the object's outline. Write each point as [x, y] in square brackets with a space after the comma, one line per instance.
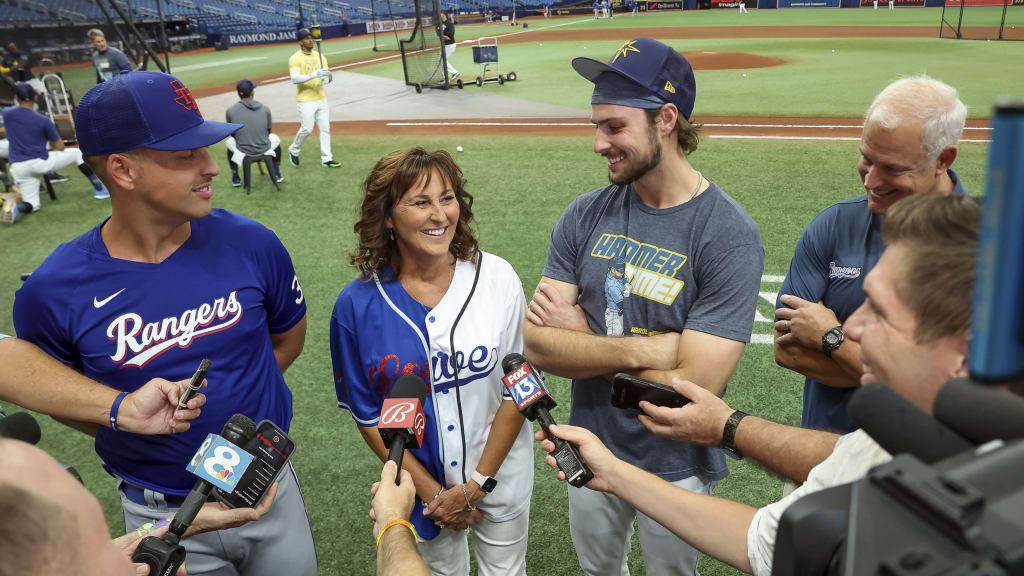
[245, 87]
[143, 109]
[24, 91]
[643, 73]
[302, 33]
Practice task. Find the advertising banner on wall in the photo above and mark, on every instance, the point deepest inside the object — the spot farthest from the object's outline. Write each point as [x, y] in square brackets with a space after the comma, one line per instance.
[809, 3]
[898, 3]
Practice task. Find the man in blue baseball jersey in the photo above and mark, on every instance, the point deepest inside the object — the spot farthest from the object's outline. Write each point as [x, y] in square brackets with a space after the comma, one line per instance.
[908, 146]
[29, 133]
[163, 283]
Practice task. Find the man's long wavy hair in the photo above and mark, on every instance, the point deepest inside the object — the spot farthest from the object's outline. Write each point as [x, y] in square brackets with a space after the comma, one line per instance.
[393, 176]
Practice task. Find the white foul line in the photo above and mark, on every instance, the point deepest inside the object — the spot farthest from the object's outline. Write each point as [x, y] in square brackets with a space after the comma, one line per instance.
[217, 63]
[772, 278]
[349, 50]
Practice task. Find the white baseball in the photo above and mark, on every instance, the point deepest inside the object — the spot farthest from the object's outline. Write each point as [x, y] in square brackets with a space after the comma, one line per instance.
[744, 75]
[833, 50]
[458, 148]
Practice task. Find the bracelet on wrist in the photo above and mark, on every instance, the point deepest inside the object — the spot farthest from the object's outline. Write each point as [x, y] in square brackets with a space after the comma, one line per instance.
[465, 495]
[392, 524]
[114, 408]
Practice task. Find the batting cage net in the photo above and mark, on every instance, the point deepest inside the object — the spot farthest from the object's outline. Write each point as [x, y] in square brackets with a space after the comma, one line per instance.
[385, 22]
[422, 54]
[983, 19]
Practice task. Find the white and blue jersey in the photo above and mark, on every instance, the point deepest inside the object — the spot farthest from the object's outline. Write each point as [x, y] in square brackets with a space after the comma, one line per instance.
[219, 296]
[834, 254]
[379, 333]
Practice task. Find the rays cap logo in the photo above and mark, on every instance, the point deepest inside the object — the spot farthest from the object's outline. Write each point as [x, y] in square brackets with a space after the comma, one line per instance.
[643, 73]
[144, 109]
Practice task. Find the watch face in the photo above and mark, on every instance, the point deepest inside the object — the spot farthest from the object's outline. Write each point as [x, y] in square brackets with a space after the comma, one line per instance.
[832, 338]
[489, 484]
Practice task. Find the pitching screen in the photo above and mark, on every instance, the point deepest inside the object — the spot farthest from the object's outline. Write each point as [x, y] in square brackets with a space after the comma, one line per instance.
[422, 54]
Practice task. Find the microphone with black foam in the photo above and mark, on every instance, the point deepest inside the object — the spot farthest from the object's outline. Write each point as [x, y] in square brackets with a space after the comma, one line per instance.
[20, 426]
[219, 457]
[902, 428]
[980, 413]
[402, 421]
[535, 402]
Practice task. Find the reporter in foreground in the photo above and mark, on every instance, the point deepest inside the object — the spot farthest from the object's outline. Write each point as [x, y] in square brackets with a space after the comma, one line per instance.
[50, 524]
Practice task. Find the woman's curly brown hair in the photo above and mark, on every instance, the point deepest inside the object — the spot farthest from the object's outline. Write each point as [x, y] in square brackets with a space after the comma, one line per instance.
[393, 176]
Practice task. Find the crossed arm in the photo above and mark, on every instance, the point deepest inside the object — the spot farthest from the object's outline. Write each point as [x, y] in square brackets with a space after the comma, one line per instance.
[799, 328]
[559, 340]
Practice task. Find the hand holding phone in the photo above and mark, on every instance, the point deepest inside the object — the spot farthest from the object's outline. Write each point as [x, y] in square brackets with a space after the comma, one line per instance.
[194, 385]
[628, 391]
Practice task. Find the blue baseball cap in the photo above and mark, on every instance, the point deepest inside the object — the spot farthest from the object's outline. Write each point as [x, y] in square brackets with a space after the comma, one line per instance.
[245, 87]
[302, 33]
[643, 73]
[24, 91]
[143, 109]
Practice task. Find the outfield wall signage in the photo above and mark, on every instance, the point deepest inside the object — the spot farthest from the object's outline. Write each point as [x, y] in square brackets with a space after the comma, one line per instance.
[983, 2]
[809, 3]
[390, 25]
[651, 6]
[885, 3]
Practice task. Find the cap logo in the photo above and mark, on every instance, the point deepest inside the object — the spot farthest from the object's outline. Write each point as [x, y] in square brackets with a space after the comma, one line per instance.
[183, 97]
[627, 47]
[669, 87]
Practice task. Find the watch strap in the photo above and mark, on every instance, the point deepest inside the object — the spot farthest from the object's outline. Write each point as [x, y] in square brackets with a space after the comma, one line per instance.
[486, 483]
[729, 434]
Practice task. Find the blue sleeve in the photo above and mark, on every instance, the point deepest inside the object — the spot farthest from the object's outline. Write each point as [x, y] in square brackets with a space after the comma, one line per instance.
[51, 130]
[286, 304]
[728, 285]
[123, 63]
[808, 271]
[40, 317]
[356, 393]
[564, 248]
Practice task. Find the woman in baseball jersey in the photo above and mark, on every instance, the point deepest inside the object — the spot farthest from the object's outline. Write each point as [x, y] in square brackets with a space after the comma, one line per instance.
[428, 302]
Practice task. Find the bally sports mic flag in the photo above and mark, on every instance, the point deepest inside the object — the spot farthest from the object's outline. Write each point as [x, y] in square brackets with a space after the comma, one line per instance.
[402, 420]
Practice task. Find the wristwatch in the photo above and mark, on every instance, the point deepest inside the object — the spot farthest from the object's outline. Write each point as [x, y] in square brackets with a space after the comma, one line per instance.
[729, 435]
[487, 483]
[831, 340]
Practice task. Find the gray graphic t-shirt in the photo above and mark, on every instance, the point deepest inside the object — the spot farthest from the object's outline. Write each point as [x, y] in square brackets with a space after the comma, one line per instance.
[643, 271]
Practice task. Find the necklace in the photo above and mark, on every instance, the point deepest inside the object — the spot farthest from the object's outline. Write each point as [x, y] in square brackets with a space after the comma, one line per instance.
[431, 294]
[700, 180]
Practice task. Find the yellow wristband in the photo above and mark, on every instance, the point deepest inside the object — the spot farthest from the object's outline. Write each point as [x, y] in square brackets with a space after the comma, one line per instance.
[392, 524]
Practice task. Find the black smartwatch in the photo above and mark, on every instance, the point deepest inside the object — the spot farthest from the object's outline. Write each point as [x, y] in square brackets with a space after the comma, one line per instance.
[729, 435]
[487, 483]
[831, 340]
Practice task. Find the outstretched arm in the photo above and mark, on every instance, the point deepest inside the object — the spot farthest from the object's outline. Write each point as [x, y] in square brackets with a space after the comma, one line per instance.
[786, 450]
[34, 380]
[712, 525]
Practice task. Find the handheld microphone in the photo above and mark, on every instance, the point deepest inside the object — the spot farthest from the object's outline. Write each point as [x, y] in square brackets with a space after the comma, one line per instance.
[900, 427]
[980, 413]
[218, 461]
[402, 420]
[20, 426]
[535, 402]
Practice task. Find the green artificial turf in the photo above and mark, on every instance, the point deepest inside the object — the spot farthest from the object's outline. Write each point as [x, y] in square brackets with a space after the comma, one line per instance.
[521, 185]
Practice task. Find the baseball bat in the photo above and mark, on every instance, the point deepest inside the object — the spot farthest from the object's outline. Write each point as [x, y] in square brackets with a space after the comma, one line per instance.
[316, 38]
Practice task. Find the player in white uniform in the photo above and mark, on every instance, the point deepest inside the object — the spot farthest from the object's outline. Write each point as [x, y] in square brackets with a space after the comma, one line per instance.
[308, 71]
[425, 285]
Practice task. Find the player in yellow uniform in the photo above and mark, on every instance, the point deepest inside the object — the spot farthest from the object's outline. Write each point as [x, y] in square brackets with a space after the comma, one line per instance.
[308, 72]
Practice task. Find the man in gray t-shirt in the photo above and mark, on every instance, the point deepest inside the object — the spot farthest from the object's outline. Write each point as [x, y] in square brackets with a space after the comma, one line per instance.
[106, 59]
[656, 274]
[255, 137]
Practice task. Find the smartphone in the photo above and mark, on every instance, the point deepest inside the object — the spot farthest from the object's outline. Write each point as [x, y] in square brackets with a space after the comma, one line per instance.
[271, 448]
[194, 384]
[628, 391]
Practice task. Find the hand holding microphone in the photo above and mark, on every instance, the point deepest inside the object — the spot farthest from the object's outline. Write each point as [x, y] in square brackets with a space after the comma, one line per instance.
[600, 463]
[532, 398]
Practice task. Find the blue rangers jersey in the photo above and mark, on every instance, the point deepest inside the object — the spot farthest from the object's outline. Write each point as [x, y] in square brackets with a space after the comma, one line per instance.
[379, 332]
[219, 296]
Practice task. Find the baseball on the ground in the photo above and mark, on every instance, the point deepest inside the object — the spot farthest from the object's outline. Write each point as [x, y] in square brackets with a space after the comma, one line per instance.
[744, 75]
[458, 148]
